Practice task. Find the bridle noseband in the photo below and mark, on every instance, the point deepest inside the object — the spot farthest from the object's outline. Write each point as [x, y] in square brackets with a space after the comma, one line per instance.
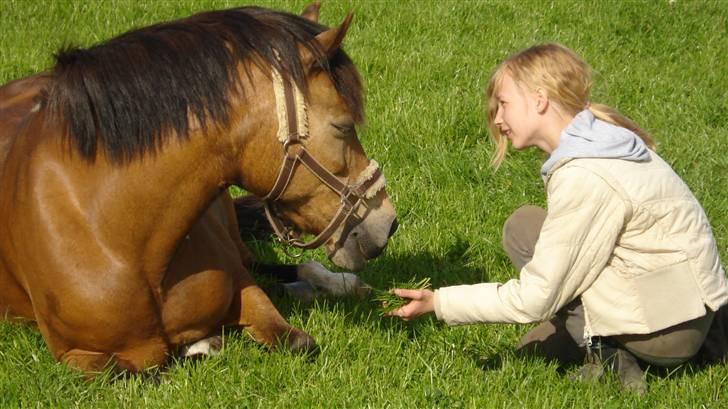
[292, 129]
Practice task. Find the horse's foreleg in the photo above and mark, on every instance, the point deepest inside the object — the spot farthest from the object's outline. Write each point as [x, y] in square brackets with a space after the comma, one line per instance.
[135, 359]
[334, 284]
[91, 363]
[281, 273]
[286, 282]
[253, 310]
[306, 280]
[303, 281]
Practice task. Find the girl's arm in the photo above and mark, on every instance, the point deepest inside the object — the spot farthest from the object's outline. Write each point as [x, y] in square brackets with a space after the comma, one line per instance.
[585, 217]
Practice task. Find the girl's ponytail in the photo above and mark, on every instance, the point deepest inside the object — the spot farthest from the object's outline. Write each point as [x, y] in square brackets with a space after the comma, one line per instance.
[614, 117]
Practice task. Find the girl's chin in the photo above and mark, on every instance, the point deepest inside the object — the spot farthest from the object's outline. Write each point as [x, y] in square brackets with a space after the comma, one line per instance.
[517, 145]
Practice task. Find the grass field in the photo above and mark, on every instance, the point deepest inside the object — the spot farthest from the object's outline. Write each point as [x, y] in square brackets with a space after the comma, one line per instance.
[425, 64]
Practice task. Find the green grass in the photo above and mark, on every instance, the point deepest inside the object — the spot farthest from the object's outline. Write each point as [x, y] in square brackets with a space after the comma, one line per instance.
[387, 301]
[425, 64]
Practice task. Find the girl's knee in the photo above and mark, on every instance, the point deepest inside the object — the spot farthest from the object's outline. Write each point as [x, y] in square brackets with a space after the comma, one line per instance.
[520, 233]
[523, 219]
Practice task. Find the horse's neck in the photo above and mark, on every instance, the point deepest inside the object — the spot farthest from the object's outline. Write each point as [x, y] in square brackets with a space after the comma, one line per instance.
[167, 192]
[138, 212]
[146, 206]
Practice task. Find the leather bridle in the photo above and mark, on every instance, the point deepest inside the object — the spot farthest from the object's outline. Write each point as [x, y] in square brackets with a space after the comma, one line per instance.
[290, 100]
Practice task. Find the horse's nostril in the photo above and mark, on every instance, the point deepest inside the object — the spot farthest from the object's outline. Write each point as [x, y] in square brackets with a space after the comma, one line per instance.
[393, 228]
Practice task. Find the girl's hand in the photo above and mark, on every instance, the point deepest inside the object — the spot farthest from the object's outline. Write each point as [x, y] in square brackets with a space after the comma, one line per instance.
[422, 302]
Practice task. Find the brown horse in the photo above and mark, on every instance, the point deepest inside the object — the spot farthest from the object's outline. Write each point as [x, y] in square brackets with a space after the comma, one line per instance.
[117, 235]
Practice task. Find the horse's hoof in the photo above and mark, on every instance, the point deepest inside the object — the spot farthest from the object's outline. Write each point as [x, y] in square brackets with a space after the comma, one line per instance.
[299, 342]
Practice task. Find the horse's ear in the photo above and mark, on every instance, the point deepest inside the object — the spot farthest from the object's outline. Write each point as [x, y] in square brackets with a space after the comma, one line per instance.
[331, 39]
[328, 41]
[311, 12]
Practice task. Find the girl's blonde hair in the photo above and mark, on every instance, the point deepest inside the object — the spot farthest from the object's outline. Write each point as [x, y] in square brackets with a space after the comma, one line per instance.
[565, 78]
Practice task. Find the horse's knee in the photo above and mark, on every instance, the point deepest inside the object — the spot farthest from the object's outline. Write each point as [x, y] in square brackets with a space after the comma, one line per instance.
[259, 317]
[151, 353]
[91, 363]
[136, 359]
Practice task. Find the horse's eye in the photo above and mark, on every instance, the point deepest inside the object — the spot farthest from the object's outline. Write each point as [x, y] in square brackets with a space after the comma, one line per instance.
[345, 129]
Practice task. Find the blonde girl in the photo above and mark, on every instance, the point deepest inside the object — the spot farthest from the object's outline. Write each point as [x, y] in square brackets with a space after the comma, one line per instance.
[622, 264]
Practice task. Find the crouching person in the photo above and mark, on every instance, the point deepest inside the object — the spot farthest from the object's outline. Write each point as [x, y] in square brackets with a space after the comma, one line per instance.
[622, 267]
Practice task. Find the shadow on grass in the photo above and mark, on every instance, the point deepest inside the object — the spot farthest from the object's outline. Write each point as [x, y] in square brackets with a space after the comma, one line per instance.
[383, 273]
[450, 268]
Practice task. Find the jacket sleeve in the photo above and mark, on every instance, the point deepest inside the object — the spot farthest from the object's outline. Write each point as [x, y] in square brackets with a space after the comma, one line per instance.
[584, 219]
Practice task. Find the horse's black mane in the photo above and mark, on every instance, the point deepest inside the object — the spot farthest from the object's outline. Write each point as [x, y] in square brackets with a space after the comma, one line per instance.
[125, 95]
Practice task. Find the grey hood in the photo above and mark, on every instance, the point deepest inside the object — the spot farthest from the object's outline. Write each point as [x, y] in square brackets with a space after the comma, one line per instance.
[588, 137]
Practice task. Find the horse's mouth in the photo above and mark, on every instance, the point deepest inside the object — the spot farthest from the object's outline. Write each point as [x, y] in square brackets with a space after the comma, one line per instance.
[354, 251]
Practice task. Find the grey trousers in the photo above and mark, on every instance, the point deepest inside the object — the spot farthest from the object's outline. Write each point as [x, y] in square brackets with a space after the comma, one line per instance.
[560, 337]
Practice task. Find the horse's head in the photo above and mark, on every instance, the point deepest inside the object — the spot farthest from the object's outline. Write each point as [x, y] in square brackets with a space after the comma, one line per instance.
[255, 89]
[312, 170]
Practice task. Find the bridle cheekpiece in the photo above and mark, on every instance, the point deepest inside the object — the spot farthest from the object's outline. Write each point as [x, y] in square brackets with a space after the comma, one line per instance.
[292, 130]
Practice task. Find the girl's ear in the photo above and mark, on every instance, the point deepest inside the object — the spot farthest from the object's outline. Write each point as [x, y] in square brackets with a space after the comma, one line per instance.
[542, 101]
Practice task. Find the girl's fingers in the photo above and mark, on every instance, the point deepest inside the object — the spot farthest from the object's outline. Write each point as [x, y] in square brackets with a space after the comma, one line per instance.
[401, 313]
[405, 293]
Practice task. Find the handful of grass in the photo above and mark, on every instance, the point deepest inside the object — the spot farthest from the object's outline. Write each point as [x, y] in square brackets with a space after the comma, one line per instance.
[388, 302]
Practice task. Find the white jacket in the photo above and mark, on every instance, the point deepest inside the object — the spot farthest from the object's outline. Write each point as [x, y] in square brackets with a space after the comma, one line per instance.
[628, 237]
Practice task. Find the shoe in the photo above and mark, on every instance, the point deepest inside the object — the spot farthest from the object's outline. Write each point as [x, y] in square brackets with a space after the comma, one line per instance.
[589, 372]
[617, 360]
[629, 372]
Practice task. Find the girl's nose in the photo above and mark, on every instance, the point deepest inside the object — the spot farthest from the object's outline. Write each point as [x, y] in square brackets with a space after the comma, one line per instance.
[498, 120]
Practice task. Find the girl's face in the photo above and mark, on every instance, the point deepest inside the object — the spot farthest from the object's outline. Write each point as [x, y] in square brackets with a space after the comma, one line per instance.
[517, 114]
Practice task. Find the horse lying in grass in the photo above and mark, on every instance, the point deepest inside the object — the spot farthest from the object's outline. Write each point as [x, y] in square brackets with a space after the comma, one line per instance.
[117, 235]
